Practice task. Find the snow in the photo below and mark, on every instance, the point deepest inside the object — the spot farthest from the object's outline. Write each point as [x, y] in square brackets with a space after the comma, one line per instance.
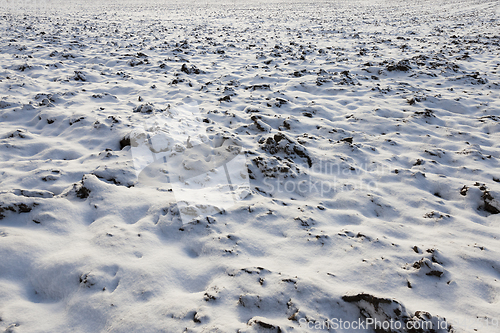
[249, 167]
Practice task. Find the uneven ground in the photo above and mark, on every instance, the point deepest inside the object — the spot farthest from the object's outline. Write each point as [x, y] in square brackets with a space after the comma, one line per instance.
[386, 112]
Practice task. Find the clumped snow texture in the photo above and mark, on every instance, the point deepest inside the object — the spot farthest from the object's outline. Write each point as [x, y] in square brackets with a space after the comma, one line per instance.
[387, 112]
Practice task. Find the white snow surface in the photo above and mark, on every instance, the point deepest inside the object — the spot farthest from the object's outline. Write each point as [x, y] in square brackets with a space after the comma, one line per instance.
[370, 132]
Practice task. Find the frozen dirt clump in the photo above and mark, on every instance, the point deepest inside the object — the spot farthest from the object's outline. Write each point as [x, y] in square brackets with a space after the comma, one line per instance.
[401, 66]
[145, 108]
[274, 167]
[491, 205]
[15, 208]
[191, 69]
[135, 62]
[79, 76]
[281, 143]
[486, 201]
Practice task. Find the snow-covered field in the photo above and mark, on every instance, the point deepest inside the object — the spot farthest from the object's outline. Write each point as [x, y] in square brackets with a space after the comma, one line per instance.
[346, 154]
